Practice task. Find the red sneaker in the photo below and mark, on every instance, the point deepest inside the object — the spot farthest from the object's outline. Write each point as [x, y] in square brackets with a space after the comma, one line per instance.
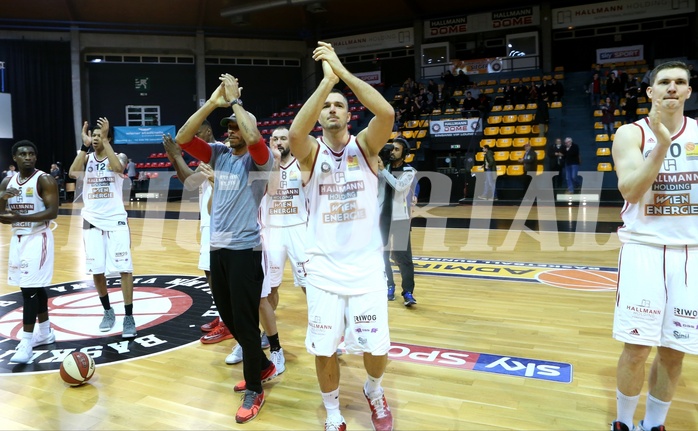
[336, 425]
[221, 333]
[381, 418]
[252, 402]
[210, 326]
[267, 374]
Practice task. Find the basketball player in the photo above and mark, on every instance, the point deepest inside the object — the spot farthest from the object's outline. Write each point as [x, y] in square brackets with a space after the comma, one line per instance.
[237, 275]
[655, 159]
[202, 178]
[345, 281]
[106, 233]
[286, 216]
[28, 201]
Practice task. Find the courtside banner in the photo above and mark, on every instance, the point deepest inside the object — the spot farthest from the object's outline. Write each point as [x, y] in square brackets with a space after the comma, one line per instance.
[461, 127]
[401, 37]
[621, 53]
[620, 10]
[370, 77]
[141, 135]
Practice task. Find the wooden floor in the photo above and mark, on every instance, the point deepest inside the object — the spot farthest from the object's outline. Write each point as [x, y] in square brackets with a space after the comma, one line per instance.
[482, 306]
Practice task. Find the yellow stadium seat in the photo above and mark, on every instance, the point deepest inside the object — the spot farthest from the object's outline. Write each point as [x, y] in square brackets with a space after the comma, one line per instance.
[515, 170]
[532, 105]
[525, 118]
[503, 143]
[409, 158]
[491, 131]
[616, 112]
[617, 124]
[539, 141]
[613, 137]
[492, 82]
[535, 78]
[514, 81]
[642, 111]
[457, 93]
[539, 169]
[412, 124]
[559, 69]
[501, 170]
[604, 167]
[504, 81]
[449, 111]
[507, 130]
[559, 76]
[519, 142]
[556, 105]
[479, 156]
[424, 124]
[408, 134]
[508, 108]
[488, 90]
[602, 137]
[642, 99]
[421, 134]
[496, 108]
[519, 107]
[478, 168]
[436, 112]
[598, 125]
[417, 145]
[598, 113]
[509, 119]
[494, 119]
[501, 156]
[524, 129]
[535, 129]
[393, 135]
[526, 79]
[490, 142]
[540, 154]
[514, 156]
[603, 151]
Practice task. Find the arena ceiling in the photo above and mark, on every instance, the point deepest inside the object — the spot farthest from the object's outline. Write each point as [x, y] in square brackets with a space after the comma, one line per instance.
[271, 19]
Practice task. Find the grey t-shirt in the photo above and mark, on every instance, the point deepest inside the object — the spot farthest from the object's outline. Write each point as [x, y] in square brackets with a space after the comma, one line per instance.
[237, 192]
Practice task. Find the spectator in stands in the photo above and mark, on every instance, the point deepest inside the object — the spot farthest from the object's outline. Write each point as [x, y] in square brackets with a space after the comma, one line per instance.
[614, 88]
[607, 115]
[462, 80]
[483, 104]
[469, 104]
[542, 116]
[10, 172]
[555, 90]
[529, 159]
[490, 192]
[630, 105]
[556, 160]
[448, 79]
[572, 161]
[403, 110]
[594, 91]
[632, 83]
[432, 87]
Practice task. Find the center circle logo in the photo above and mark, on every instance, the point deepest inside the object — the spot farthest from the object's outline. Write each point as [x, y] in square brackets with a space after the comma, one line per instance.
[168, 310]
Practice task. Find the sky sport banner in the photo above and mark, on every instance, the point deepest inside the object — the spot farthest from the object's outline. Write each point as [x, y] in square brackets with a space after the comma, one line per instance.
[398, 38]
[621, 53]
[141, 135]
[449, 128]
[370, 77]
[496, 20]
[619, 10]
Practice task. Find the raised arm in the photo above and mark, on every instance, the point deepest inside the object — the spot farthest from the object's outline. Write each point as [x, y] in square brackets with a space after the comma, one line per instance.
[217, 100]
[303, 146]
[636, 173]
[117, 163]
[399, 184]
[185, 174]
[374, 137]
[248, 127]
[78, 166]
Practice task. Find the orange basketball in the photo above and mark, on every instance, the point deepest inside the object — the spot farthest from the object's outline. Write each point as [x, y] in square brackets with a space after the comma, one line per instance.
[77, 368]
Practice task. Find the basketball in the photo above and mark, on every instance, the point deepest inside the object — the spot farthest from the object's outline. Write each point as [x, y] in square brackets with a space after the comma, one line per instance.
[77, 368]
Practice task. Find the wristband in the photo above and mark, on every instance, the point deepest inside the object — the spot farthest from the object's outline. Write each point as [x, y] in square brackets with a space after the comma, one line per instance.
[85, 148]
[237, 101]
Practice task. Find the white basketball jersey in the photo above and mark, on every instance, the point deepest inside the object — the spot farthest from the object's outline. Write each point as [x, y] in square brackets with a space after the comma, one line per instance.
[27, 202]
[205, 192]
[344, 244]
[288, 207]
[668, 212]
[102, 188]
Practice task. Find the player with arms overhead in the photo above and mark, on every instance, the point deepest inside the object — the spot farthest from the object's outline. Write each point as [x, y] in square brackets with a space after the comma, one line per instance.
[345, 273]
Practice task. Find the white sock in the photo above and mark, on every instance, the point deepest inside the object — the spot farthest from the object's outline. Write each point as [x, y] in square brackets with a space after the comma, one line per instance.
[372, 387]
[626, 407]
[44, 327]
[331, 402]
[656, 412]
[27, 335]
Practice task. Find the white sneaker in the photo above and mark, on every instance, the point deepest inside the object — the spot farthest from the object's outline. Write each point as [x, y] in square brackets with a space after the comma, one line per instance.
[235, 357]
[40, 340]
[335, 425]
[23, 352]
[279, 361]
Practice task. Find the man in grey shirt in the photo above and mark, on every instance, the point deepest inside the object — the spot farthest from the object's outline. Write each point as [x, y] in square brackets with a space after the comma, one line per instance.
[241, 175]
